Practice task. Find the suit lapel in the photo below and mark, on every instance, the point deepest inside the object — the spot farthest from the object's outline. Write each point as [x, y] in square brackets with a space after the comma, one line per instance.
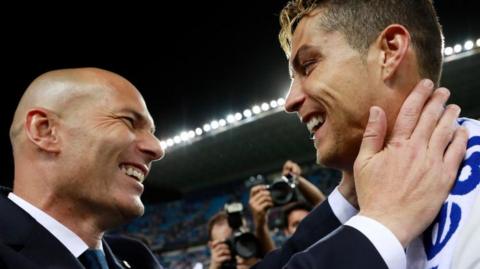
[113, 261]
[23, 234]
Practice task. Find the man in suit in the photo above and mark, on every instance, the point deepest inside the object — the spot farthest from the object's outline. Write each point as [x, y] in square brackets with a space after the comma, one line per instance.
[353, 65]
[83, 142]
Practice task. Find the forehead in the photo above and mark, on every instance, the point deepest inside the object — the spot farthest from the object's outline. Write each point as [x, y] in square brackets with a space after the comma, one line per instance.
[311, 34]
[297, 214]
[221, 230]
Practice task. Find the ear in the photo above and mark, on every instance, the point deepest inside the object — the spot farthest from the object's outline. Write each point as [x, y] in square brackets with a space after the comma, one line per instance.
[41, 129]
[393, 42]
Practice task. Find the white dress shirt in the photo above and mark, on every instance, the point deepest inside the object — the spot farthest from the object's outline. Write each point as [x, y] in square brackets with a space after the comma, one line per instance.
[68, 238]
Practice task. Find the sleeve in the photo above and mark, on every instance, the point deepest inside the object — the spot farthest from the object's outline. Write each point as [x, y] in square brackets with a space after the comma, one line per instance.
[342, 209]
[320, 222]
[345, 248]
[384, 241]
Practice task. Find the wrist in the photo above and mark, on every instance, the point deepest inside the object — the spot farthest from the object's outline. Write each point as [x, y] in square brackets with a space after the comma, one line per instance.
[348, 192]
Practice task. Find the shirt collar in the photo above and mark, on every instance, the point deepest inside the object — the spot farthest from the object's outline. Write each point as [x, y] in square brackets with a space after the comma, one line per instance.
[68, 238]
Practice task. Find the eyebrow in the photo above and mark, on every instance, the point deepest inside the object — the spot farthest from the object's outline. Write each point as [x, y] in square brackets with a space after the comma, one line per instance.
[295, 62]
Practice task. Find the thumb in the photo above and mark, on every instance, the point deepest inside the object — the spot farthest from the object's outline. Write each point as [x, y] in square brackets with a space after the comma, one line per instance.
[374, 135]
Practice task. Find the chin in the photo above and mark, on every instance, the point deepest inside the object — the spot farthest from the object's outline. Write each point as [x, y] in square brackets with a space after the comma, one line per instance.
[132, 209]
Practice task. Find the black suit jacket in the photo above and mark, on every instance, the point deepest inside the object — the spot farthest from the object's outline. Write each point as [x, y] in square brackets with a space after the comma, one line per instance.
[320, 242]
[25, 244]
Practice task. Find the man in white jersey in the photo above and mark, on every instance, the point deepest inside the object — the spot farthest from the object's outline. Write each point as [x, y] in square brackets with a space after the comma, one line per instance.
[353, 59]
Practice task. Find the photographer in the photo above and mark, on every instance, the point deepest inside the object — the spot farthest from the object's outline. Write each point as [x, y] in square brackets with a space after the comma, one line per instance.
[219, 232]
[261, 200]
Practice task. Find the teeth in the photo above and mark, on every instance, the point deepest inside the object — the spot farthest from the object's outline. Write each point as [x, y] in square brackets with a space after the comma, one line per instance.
[133, 172]
[314, 122]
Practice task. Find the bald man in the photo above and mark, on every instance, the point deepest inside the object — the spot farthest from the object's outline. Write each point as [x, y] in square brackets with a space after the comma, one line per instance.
[83, 142]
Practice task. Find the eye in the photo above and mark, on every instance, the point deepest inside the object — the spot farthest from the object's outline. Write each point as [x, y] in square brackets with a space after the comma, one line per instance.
[308, 67]
[129, 121]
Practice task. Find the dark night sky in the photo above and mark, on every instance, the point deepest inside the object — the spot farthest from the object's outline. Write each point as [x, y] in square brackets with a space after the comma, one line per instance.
[206, 61]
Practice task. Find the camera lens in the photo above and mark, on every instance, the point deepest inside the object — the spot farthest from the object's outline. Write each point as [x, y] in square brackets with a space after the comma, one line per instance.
[281, 192]
[246, 245]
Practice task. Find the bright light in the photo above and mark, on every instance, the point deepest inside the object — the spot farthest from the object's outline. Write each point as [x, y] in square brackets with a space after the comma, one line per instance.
[230, 118]
[222, 122]
[184, 136]
[457, 48]
[238, 116]
[163, 144]
[214, 124]
[448, 51]
[177, 139]
[191, 134]
[207, 127]
[468, 45]
[265, 107]
[273, 104]
[170, 142]
[478, 42]
[280, 101]
[199, 131]
[247, 113]
[256, 109]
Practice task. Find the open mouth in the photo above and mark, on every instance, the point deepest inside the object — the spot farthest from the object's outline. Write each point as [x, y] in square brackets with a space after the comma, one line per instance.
[133, 172]
[315, 123]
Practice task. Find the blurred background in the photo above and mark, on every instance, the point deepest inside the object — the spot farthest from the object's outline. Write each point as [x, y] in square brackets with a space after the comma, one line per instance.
[213, 76]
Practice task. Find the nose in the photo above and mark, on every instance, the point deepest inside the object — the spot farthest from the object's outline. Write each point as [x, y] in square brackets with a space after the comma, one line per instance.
[150, 145]
[295, 97]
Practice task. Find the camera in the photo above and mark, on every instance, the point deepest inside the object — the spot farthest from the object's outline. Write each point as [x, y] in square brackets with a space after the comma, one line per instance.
[282, 189]
[241, 242]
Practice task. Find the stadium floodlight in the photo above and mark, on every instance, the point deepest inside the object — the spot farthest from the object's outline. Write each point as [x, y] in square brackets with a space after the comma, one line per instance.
[238, 116]
[457, 48]
[273, 103]
[170, 142]
[199, 131]
[448, 51]
[163, 144]
[177, 139]
[256, 109]
[184, 136]
[468, 45]
[478, 42]
[207, 127]
[230, 118]
[222, 122]
[265, 107]
[247, 113]
[191, 134]
[280, 101]
[214, 124]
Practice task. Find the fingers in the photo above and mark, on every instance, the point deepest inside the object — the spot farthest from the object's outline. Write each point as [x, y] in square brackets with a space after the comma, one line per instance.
[410, 111]
[444, 131]
[291, 167]
[261, 201]
[456, 152]
[220, 251]
[374, 135]
[256, 189]
[430, 115]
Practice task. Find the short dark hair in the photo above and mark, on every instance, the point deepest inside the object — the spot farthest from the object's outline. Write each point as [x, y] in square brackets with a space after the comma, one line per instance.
[217, 218]
[361, 21]
[290, 207]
